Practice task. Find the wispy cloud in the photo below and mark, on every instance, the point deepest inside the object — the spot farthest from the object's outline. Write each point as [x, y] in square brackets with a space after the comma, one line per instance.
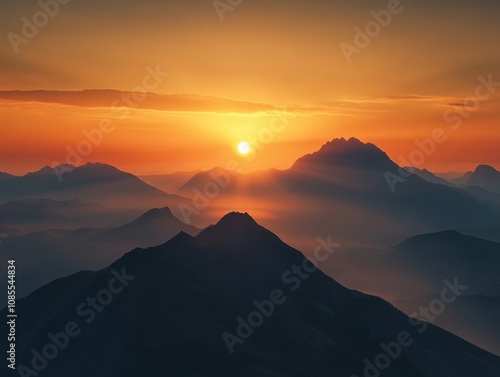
[183, 103]
[195, 104]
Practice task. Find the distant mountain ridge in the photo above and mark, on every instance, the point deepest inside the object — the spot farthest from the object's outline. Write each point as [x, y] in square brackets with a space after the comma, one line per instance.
[46, 182]
[148, 230]
[412, 272]
[485, 177]
[93, 182]
[49, 254]
[345, 177]
[342, 187]
[428, 176]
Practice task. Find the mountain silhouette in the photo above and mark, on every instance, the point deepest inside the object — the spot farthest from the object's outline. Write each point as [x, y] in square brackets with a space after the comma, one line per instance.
[92, 175]
[428, 176]
[425, 260]
[6, 176]
[412, 272]
[201, 179]
[463, 179]
[486, 197]
[344, 188]
[50, 254]
[152, 228]
[94, 182]
[485, 177]
[351, 153]
[180, 299]
[450, 253]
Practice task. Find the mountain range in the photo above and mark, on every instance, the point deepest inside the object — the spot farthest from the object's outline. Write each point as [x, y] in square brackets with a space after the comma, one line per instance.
[482, 183]
[97, 183]
[233, 301]
[412, 272]
[440, 228]
[49, 254]
[343, 188]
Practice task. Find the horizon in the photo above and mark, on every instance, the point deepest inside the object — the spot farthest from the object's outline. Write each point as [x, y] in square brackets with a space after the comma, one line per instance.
[241, 171]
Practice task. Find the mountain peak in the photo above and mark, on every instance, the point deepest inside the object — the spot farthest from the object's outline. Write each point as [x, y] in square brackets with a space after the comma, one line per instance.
[232, 225]
[351, 142]
[156, 213]
[180, 239]
[43, 171]
[99, 166]
[430, 237]
[155, 218]
[241, 217]
[351, 153]
[485, 177]
[485, 169]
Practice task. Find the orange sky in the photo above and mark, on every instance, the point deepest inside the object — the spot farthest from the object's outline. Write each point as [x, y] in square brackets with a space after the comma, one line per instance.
[264, 66]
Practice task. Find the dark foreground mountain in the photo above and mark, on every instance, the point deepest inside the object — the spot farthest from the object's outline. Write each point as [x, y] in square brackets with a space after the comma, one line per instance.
[190, 307]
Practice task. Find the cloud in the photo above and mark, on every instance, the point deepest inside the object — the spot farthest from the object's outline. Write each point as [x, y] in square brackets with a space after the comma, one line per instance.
[191, 103]
[188, 103]
[456, 104]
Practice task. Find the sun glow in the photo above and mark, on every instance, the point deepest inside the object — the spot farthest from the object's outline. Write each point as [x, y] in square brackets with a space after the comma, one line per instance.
[243, 148]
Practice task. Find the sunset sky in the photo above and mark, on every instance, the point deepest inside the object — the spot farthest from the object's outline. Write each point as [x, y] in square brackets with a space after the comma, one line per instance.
[267, 65]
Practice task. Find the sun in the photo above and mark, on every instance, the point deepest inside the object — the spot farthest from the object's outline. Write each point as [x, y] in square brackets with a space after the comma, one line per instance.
[243, 147]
